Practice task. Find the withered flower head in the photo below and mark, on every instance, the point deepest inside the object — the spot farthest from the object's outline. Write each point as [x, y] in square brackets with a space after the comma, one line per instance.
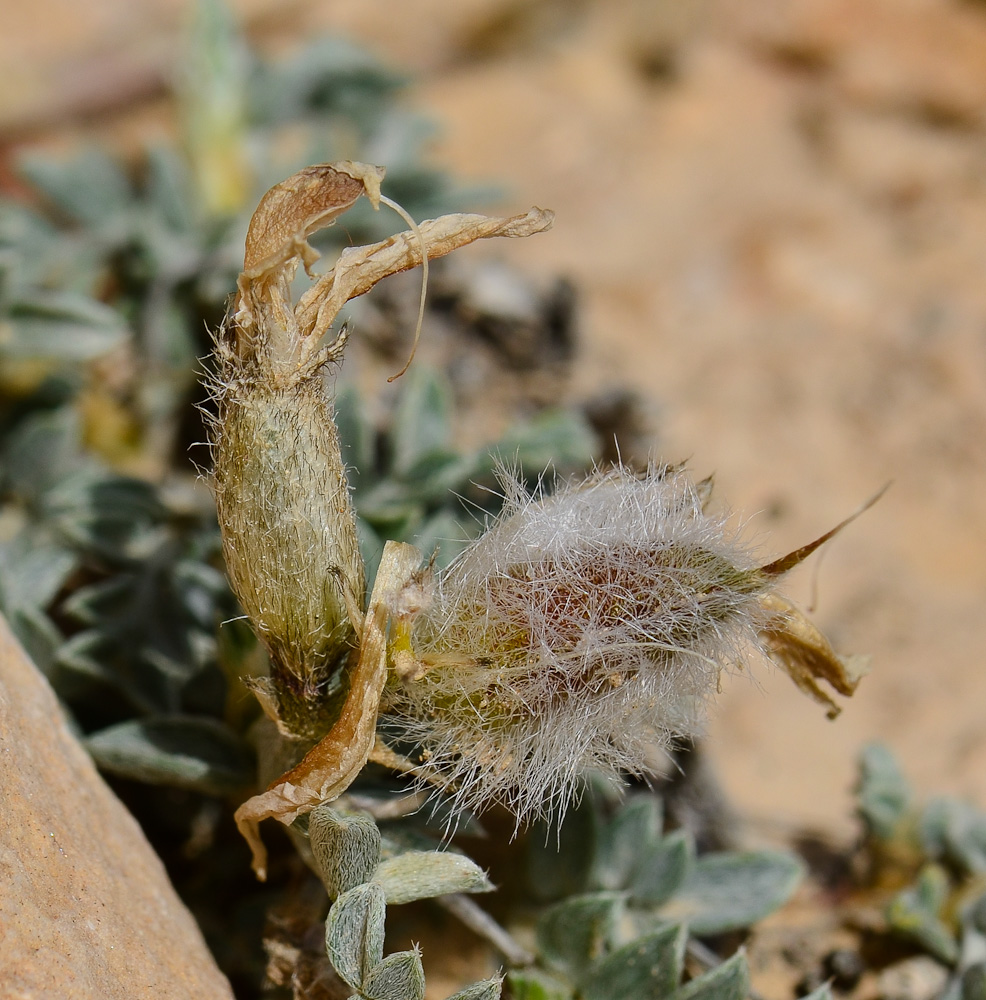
[586, 629]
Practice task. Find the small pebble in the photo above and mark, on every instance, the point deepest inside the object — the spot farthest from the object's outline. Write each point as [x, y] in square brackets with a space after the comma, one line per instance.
[920, 978]
[844, 967]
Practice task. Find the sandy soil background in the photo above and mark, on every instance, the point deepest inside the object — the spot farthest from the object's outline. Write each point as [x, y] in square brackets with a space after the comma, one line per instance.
[775, 215]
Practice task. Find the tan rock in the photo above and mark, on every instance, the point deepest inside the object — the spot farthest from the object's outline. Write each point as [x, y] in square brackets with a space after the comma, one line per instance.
[86, 908]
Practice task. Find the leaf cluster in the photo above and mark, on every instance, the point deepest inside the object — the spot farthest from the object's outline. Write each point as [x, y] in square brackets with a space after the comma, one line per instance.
[347, 852]
[116, 600]
[631, 901]
[931, 857]
[411, 483]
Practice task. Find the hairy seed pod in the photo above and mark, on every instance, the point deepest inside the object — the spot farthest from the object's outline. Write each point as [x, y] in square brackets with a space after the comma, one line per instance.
[288, 526]
[289, 531]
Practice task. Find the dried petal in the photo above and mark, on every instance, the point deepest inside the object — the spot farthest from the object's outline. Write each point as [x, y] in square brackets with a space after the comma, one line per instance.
[310, 199]
[795, 644]
[287, 215]
[360, 268]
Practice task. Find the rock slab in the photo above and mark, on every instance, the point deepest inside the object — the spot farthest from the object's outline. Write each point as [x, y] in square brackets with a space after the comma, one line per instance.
[86, 908]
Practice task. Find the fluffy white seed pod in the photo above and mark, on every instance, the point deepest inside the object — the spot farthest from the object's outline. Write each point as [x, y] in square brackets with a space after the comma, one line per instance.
[582, 631]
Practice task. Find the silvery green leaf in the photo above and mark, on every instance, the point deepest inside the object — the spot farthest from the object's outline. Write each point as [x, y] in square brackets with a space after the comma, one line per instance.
[955, 832]
[824, 992]
[60, 326]
[533, 984]
[33, 568]
[662, 868]
[194, 752]
[729, 981]
[398, 977]
[559, 860]
[561, 439]
[54, 434]
[167, 339]
[884, 796]
[422, 421]
[635, 829]
[399, 140]
[731, 890]
[574, 933]
[201, 587]
[145, 633]
[89, 188]
[404, 836]
[356, 436]
[390, 507]
[442, 534]
[346, 847]
[425, 874]
[974, 915]
[646, 969]
[83, 653]
[972, 951]
[169, 189]
[39, 636]
[108, 514]
[974, 982]
[26, 239]
[330, 76]
[354, 931]
[488, 989]
[437, 473]
[916, 913]
[370, 548]
[91, 603]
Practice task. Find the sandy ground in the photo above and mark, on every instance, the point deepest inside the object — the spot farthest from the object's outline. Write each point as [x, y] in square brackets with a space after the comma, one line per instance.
[775, 213]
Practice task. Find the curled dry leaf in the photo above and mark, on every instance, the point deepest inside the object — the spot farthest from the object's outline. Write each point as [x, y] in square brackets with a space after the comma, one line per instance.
[360, 268]
[331, 766]
[796, 645]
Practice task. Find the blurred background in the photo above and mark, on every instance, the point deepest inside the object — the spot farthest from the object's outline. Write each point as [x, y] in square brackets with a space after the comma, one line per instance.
[773, 217]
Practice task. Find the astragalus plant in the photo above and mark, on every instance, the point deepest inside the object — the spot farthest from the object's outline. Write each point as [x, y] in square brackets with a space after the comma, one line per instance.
[581, 631]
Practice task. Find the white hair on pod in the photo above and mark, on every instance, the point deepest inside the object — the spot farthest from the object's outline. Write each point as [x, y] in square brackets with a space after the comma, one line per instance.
[583, 630]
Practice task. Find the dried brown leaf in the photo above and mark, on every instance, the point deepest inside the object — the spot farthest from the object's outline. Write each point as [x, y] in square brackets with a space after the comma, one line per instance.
[781, 566]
